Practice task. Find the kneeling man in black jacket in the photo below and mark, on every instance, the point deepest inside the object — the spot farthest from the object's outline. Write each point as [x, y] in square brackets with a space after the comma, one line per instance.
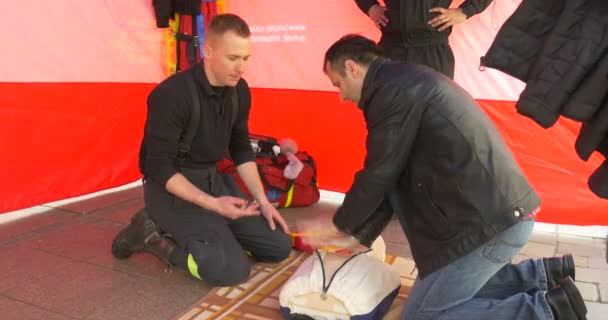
[437, 161]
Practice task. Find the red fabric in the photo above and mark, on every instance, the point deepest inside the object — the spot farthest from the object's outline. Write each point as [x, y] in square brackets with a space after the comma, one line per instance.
[60, 140]
[209, 10]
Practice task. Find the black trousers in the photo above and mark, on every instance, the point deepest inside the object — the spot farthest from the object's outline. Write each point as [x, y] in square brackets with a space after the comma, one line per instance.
[438, 56]
[211, 247]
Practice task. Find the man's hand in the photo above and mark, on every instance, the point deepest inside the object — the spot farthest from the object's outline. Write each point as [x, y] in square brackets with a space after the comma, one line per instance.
[322, 234]
[378, 16]
[234, 208]
[272, 214]
[446, 18]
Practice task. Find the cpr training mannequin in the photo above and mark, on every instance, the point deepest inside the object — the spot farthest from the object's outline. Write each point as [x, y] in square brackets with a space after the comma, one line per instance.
[337, 285]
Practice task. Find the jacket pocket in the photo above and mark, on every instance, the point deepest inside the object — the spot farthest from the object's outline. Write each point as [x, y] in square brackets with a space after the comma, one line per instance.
[434, 219]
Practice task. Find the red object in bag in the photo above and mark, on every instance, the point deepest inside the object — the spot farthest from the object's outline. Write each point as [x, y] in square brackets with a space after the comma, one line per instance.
[282, 192]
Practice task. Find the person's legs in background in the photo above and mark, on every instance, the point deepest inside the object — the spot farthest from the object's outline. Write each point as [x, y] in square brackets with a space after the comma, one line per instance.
[436, 56]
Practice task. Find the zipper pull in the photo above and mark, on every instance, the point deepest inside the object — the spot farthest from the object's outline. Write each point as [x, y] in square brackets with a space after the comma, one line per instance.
[482, 63]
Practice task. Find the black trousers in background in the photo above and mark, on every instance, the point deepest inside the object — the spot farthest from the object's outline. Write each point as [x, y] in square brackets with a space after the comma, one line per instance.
[438, 56]
[211, 247]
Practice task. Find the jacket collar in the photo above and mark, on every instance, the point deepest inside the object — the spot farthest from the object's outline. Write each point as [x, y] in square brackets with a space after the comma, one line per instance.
[367, 89]
[203, 82]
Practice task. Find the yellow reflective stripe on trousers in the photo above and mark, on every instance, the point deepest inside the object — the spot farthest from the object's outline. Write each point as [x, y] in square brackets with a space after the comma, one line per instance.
[193, 267]
[289, 196]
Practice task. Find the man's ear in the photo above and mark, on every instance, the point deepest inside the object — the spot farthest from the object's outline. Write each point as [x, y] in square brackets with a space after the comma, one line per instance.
[352, 68]
[207, 50]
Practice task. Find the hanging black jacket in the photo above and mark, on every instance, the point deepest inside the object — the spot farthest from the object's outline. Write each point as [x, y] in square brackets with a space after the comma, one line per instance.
[438, 157]
[559, 49]
[164, 10]
[410, 18]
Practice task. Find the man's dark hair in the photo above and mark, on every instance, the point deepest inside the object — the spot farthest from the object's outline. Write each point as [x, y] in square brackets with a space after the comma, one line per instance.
[228, 22]
[351, 47]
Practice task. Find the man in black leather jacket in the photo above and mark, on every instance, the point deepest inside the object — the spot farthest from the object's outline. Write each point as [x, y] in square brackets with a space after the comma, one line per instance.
[417, 30]
[437, 161]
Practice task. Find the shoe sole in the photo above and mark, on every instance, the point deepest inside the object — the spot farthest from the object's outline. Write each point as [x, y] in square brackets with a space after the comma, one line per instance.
[576, 300]
[569, 267]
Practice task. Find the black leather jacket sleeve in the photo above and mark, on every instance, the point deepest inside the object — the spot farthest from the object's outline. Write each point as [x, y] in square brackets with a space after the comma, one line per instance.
[375, 224]
[473, 7]
[365, 5]
[163, 12]
[392, 121]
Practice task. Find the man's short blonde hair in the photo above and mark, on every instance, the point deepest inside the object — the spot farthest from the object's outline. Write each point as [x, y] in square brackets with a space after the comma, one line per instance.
[223, 23]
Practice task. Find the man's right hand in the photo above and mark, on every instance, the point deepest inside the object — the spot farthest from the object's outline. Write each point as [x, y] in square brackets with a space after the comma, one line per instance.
[378, 16]
[234, 208]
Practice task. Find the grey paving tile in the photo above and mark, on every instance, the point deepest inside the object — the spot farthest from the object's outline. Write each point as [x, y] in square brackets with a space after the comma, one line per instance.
[20, 265]
[137, 264]
[591, 275]
[77, 290]
[580, 250]
[586, 231]
[121, 213]
[150, 299]
[589, 291]
[538, 250]
[603, 293]
[580, 261]
[106, 200]
[581, 240]
[80, 240]
[596, 311]
[11, 309]
[15, 229]
[544, 237]
[598, 263]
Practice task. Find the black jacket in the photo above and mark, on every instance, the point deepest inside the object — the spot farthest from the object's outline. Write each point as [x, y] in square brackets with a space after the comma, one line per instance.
[431, 148]
[409, 18]
[165, 9]
[559, 49]
[219, 129]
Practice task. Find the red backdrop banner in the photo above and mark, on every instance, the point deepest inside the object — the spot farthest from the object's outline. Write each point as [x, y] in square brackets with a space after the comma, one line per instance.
[60, 140]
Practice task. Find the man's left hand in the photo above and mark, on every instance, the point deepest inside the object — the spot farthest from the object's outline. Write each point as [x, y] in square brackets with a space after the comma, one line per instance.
[446, 18]
[272, 214]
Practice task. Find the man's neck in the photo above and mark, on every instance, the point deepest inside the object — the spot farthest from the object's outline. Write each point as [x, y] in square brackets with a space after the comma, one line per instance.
[210, 76]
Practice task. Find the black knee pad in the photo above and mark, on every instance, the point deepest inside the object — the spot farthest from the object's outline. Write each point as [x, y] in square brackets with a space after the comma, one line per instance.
[211, 261]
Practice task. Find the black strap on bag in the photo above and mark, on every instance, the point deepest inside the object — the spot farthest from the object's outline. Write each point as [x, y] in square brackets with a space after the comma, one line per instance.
[185, 142]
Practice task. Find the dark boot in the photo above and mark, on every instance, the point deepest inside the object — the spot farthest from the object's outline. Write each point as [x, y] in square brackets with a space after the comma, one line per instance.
[566, 301]
[142, 235]
[558, 268]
